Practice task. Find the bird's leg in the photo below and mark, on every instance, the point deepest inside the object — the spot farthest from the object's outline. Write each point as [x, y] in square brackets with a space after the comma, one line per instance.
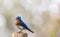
[21, 30]
[20, 27]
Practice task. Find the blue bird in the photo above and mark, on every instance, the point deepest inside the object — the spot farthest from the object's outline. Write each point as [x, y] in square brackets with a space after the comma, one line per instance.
[21, 25]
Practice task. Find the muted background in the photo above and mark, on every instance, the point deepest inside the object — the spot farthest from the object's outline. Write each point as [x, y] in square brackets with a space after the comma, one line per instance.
[41, 16]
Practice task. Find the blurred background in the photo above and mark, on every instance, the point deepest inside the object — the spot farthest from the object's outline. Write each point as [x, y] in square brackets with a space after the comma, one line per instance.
[42, 16]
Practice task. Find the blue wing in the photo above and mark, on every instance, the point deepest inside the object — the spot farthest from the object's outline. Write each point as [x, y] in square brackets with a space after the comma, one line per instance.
[23, 24]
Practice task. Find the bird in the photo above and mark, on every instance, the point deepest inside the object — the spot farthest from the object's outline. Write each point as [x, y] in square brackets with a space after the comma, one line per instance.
[21, 25]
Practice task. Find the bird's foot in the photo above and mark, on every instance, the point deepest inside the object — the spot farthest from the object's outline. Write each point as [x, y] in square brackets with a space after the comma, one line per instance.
[20, 32]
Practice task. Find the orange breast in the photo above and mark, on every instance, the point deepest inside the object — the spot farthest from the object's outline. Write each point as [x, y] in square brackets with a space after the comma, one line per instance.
[16, 22]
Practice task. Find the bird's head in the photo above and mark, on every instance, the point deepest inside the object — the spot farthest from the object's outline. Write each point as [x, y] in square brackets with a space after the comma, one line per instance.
[18, 18]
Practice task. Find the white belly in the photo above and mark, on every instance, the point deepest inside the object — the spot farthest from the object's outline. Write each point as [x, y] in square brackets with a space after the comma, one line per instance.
[20, 27]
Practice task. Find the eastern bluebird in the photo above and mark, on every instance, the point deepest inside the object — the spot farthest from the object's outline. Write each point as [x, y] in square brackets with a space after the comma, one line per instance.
[21, 25]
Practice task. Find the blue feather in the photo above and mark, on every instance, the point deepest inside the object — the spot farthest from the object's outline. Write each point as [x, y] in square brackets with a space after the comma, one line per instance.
[23, 24]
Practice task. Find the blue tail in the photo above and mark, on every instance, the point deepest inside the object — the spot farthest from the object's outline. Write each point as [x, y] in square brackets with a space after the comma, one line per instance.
[30, 30]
